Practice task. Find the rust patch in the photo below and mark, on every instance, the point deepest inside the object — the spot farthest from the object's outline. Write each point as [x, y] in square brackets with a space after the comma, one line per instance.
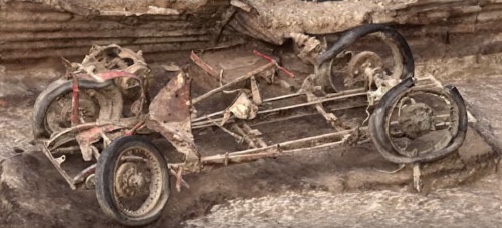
[172, 104]
[170, 116]
[86, 138]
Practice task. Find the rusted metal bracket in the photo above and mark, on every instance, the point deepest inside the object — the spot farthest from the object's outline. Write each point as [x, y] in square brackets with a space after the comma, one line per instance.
[330, 117]
[250, 136]
[331, 140]
[232, 83]
[255, 92]
[255, 134]
[86, 139]
[57, 163]
[206, 67]
[268, 58]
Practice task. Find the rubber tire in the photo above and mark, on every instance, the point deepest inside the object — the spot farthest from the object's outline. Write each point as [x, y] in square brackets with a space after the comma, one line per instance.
[51, 93]
[382, 142]
[105, 179]
[349, 37]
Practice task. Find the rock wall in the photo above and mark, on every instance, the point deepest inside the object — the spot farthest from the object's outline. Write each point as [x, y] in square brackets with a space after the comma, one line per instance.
[39, 29]
[274, 20]
[35, 29]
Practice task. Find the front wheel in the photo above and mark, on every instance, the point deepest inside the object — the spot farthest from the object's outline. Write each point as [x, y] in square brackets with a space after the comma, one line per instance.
[132, 181]
[414, 125]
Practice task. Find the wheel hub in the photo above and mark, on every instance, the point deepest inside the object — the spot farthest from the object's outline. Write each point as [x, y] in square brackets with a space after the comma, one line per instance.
[416, 120]
[130, 181]
[363, 66]
[136, 180]
[61, 118]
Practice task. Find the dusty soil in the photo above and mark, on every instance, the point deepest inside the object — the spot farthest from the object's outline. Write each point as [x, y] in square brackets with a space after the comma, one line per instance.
[470, 206]
[39, 197]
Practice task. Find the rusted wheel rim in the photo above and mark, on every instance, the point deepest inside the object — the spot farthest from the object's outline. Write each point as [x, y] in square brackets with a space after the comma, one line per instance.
[137, 182]
[59, 112]
[424, 125]
[356, 70]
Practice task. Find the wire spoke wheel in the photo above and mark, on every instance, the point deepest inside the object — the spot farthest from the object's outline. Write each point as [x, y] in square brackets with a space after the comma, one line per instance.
[137, 181]
[132, 184]
[342, 70]
[53, 107]
[422, 121]
[415, 124]
[58, 116]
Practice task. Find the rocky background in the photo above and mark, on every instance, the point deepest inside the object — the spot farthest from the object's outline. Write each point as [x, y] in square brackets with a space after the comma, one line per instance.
[36, 29]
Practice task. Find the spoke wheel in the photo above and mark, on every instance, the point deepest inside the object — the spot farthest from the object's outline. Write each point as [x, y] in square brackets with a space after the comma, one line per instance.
[53, 108]
[411, 124]
[422, 121]
[132, 184]
[363, 64]
[58, 116]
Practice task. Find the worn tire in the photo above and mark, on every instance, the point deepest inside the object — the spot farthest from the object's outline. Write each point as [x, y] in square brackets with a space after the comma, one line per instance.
[60, 88]
[382, 141]
[399, 43]
[105, 180]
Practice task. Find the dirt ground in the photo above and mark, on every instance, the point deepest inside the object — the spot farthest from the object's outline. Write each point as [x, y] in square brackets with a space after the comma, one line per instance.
[335, 188]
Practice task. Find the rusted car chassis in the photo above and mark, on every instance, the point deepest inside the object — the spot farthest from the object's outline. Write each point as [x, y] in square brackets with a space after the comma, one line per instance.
[402, 113]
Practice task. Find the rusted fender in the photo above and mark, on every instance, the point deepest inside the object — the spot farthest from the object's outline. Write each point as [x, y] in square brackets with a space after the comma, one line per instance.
[170, 116]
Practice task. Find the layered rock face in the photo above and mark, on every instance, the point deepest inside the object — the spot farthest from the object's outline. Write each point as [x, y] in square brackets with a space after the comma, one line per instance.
[33, 29]
[39, 29]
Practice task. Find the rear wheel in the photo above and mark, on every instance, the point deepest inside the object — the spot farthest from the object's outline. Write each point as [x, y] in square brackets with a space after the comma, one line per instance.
[53, 107]
[132, 181]
[343, 69]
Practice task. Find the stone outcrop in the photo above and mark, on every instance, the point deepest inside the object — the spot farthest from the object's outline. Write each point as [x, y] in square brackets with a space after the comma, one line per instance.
[274, 20]
[39, 29]
[32, 29]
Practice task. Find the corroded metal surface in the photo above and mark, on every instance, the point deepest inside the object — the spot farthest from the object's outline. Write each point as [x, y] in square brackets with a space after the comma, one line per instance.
[169, 114]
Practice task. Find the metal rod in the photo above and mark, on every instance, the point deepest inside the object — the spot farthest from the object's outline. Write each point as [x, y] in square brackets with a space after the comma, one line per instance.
[273, 152]
[75, 101]
[311, 103]
[257, 137]
[257, 123]
[205, 117]
[289, 143]
[283, 97]
[245, 136]
[287, 96]
[232, 83]
[236, 136]
[56, 164]
[195, 124]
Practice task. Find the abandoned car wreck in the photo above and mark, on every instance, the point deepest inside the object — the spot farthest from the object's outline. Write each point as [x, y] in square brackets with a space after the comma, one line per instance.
[169, 92]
